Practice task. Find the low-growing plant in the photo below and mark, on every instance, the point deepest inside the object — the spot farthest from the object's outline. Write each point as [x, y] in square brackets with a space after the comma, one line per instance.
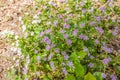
[67, 40]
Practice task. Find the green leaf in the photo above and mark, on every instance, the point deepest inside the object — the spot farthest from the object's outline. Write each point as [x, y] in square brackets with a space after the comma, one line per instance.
[79, 70]
[98, 75]
[89, 76]
[74, 56]
[70, 77]
[82, 54]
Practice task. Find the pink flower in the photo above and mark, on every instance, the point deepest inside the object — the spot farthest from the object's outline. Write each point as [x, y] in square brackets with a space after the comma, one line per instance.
[48, 47]
[65, 36]
[91, 65]
[100, 30]
[75, 32]
[106, 61]
[65, 25]
[69, 42]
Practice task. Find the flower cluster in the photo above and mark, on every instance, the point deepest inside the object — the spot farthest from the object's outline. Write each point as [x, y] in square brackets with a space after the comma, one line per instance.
[68, 40]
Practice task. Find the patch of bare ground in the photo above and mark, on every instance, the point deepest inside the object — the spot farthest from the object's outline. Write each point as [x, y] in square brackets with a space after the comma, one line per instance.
[10, 13]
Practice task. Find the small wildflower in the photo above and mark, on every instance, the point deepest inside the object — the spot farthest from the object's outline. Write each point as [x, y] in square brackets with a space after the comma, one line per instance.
[47, 40]
[97, 18]
[56, 51]
[69, 42]
[91, 23]
[48, 48]
[91, 65]
[66, 57]
[106, 61]
[50, 56]
[63, 53]
[97, 41]
[82, 25]
[65, 36]
[52, 65]
[60, 16]
[38, 58]
[48, 31]
[70, 64]
[118, 50]
[65, 25]
[75, 32]
[62, 31]
[104, 75]
[64, 71]
[100, 30]
[105, 48]
[55, 23]
[84, 11]
[103, 8]
[113, 77]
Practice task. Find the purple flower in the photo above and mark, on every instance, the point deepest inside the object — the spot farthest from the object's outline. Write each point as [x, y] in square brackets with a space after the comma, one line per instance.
[52, 45]
[70, 64]
[81, 36]
[69, 42]
[103, 8]
[38, 58]
[65, 36]
[97, 41]
[65, 25]
[48, 31]
[91, 23]
[91, 65]
[60, 16]
[25, 70]
[115, 32]
[105, 48]
[63, 53]
[82, 25]
[50, 56]
[75, 32]
[66, 19]
[91, 57]
[47, 40]
[48, 48]
[41, 34]
[66, 57]
[82, 4]
[55, 22]
[85, 38]
[118, 50]
[118, 20]
[64, 71]
[62, 31]
[56, 51]
[100, 30]
[52, 65]
[84, 11]
[106, 61]
[97, 18]
[104, 75]
[113, 77]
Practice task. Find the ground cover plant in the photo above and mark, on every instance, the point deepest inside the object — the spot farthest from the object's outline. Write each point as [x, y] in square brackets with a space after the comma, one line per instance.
[67, 40]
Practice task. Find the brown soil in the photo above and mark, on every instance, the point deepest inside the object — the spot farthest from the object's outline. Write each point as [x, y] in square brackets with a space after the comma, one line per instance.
[10, 11]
